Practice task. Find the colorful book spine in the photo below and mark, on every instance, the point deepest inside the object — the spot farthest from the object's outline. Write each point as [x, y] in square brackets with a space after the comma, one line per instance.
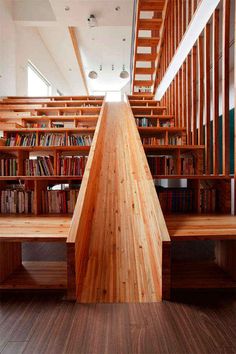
[8, 167]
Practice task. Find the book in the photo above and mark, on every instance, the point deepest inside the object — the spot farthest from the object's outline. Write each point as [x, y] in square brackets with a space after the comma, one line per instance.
[16, 201]
[8, 167]
[153, 140]
[71, 165]
[42, 166]
[59, 201]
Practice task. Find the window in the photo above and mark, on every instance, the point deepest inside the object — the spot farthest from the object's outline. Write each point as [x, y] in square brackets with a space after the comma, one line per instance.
[37, 83]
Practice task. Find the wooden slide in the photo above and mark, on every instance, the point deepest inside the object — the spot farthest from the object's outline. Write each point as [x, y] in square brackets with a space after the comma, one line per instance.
[119, 243]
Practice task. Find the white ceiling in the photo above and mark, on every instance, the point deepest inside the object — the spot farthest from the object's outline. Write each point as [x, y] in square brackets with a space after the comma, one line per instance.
[102, 45]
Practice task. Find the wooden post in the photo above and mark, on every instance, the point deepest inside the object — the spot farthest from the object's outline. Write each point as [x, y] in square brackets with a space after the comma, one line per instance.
[215, 89]
[207, 96]
[225, 86]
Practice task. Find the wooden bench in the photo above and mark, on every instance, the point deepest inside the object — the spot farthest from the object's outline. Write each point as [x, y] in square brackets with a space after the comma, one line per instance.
[17, 274]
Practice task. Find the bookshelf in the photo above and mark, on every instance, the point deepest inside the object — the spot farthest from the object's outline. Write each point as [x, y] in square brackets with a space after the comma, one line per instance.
[43, 155]
[188, 196]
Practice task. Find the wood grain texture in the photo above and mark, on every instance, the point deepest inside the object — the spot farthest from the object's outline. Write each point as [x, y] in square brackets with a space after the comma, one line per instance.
[127, 228]
[193, 323]
[201, 227]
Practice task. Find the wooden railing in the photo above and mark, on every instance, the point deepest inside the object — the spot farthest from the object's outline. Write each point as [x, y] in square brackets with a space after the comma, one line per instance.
[196, 96]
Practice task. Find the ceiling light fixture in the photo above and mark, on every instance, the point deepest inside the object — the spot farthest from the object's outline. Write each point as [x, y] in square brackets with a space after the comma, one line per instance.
[117, 8]
[93, 75]
[124, 73]
[67, 8]
[92, 22]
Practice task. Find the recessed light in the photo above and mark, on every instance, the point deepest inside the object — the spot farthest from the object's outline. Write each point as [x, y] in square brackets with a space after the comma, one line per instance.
[67, 8]
[117, 8]
[70, 69]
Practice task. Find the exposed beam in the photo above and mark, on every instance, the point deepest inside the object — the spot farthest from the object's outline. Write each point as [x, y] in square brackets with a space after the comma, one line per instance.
[196, 26]
[78, 56]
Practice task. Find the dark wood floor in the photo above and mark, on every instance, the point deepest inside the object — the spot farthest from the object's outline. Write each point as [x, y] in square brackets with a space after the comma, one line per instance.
[42, 323]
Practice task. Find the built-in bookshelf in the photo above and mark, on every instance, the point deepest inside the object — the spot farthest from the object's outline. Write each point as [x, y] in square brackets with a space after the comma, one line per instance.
[43, 152]
[171, 158]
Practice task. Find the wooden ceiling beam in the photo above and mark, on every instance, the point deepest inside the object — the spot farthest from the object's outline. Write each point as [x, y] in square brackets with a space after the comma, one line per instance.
[144, 71]
[78, 57]
[149, 24]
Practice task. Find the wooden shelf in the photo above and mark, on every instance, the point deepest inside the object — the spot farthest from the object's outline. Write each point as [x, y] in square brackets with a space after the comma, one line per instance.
[203, 177]
[154, 130]
[154, 116]
[182, 148]
[45, 148]
[50, 130]
[38, 275]
[46, 102]
[41, 178]
[199, 275]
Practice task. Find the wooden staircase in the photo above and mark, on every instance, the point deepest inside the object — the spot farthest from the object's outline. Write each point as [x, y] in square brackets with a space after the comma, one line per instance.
[149, 21]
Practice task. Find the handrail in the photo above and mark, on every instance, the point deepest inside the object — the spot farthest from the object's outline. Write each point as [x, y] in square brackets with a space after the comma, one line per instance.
[132, 54]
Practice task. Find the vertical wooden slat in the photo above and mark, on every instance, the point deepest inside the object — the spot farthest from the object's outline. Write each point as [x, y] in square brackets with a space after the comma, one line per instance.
[225, 86]
[184, 101]
[188, 98]
[207, 93]
[235, 113]
[200, 51]
[194, 94]
[180, 97]
[215, 90]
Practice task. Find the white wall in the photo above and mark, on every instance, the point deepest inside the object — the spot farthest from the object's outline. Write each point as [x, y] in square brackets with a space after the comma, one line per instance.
[19, 44]
[29, 46]
[7, 50]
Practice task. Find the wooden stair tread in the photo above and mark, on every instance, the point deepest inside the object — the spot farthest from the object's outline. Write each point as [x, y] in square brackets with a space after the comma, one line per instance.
[197, 227]
[20, 228]
[37, 275]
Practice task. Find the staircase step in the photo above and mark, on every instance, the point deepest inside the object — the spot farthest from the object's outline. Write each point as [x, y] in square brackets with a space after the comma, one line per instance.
[147, 41]
[152, 6]
[145, 57]
[143, 83]
[149, 24]
[144, 71]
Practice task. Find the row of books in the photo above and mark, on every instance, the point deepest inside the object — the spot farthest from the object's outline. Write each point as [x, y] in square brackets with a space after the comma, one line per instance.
[147, 122]
[161, 165]
[79, 140]
[35, 125]
[8, 167]
[42, 166]
[17, 201]
[59, 201]
[52, 139]
[153, 141]
[28, 139]
[71, 166]
[175, 200]
[165, 165]
[175, 140]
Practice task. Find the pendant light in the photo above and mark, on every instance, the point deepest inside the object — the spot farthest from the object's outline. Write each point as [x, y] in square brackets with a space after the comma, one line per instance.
[93, 75]
[124, 73]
